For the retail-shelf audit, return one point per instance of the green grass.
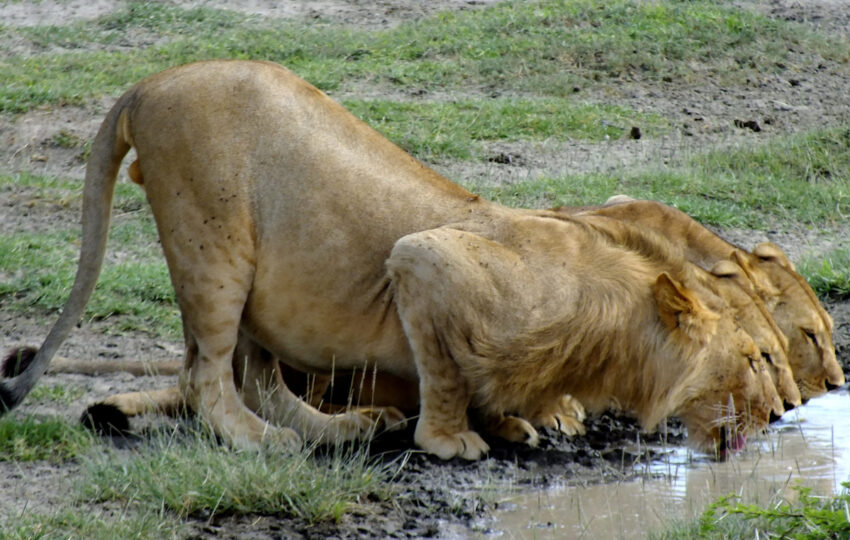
(70, 521)
(182, 474)
(194, 475)
(57, 393)
(29, 438)
(804, 178)
(545, 48)
(829, 274)
(451, 129)
(65, 139)
(808, 518)
(37, 268)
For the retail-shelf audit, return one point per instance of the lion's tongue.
(738, 443)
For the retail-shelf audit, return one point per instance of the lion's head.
(800, 316)
(725, 286)
(730, 393)
(757, 321)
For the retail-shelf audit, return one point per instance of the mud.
(431, 498)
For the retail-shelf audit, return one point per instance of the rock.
(748, 124)
(781, 106)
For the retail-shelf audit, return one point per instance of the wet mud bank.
(568, 486)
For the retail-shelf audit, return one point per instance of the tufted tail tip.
(105, 419)
(17, 361)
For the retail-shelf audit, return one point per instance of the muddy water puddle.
(809, 446)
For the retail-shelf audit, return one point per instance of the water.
(809, 446)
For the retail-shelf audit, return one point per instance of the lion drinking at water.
(277, 210)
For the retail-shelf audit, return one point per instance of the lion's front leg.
(442, 428)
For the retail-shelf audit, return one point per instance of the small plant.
(809, 518)
(829, 275)
(57, 392)
(66, 139)
(33, 439)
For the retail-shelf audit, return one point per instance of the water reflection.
(809, 446)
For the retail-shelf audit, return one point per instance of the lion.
(384, 390)
(285, 219)
(570, 312)
(769, 274)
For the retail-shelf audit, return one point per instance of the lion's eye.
(752, 364)
(811, 335)
(767, 357)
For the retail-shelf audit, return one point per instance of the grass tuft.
(829, 274)
(35, 439)
(195, 475)
(73, 522)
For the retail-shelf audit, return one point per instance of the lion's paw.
(566, 415)
(566, 424)
(465, 444)
(277, 438)
(518, 430)
(348, 426)
(384, 418)
(572, 407)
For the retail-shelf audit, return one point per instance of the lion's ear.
(768, 251)
(681, 311)
(618, 199)
(727, 269)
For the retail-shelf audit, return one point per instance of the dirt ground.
(433, 497)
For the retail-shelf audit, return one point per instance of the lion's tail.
(110, 146)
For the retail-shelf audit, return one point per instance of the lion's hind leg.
(265, 391)
(380, 397)
(167, 401)
(212, 283)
